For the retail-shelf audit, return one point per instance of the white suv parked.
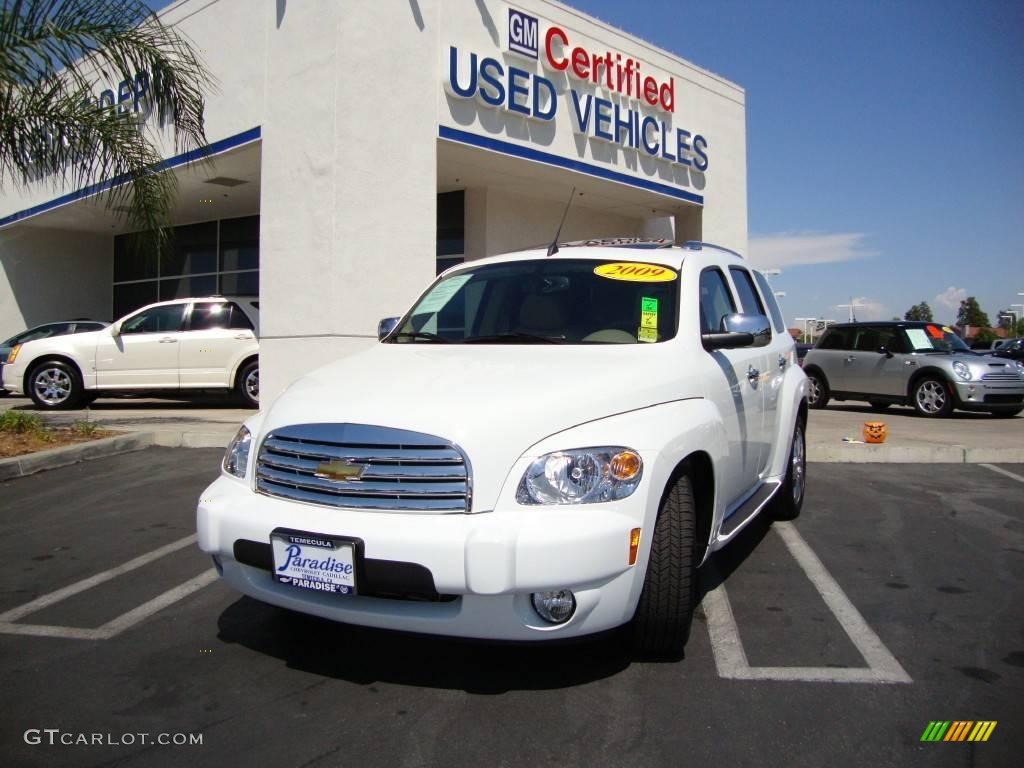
(179, 345)
(545, 446)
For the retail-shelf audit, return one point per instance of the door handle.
(850, 358)
(168, 340)
(753, 374)
(243, 336)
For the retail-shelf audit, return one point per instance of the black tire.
(817, 390)
(878, 406)
(1006, 414)
(789, 499)
(931, 397)
(249, 373)
(661, 624)
(55, 386)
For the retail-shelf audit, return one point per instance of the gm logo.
(522, 33)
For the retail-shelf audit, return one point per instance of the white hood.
(469, 394)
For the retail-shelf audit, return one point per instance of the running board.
(745, 511)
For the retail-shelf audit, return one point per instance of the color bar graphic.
(958, 730)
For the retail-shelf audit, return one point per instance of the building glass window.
(451, 229)
(209, 258)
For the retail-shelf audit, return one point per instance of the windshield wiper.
(421, 335)
(513, 337)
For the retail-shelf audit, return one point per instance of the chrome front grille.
(1007, 376)
(397, 470)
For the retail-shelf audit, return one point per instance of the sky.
(884, 143)
(884, 153)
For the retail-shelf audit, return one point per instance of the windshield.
(934, 338)
(547, 301)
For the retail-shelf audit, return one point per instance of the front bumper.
(981, 395)
(482, 567)
(10, 378)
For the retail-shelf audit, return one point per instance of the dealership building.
(356, 149)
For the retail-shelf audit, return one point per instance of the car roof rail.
(697, 245)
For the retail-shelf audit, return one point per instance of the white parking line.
(731, 659)
(80, 586)
(117, 625)
(1002, 471)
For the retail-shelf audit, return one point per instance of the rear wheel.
(248, 384)
(661, 624)
(817, 390)
(790, 497)
(54, 386)
(932, 397)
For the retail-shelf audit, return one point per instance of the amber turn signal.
(625, 465)
(634, 545)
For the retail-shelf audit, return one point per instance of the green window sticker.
(648, 330)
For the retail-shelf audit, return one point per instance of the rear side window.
(210, 315)
(773, 305)
(715, 300)
(837, 338)
(748, 294)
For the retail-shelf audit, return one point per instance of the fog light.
(218, 565)
(555, 607)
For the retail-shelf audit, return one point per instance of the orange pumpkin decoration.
(874, 431)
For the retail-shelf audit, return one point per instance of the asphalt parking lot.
(894, 601)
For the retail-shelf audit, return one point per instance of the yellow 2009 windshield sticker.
(636, 272)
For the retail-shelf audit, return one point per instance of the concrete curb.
(19, 466)
(852, 453)
(857, 453)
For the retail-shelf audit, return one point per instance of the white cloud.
(867, 309)
(951, 298)
(790, 249)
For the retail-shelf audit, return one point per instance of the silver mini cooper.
(924, 365)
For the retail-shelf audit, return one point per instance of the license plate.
(314, 562)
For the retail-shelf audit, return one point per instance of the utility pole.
(851, 306)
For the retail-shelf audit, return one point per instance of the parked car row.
(192, 344)
(924, 365)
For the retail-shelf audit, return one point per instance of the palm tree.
(55, 55)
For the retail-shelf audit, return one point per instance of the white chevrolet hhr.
(544, 446)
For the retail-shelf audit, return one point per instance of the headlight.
(13, 353)
(962, 370)
(236, 458)
(1020, 366)
(581, 476)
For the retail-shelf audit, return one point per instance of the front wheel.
(661, 624)
(932, 397)
(817, 390)
(55, 386)
(789, 499)
(248, 384)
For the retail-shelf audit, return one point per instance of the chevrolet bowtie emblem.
(339, 469)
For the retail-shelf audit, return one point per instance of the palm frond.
(53, 56)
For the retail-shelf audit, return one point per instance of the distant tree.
(920, 312)
(970, 314)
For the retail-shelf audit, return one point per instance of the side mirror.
(386, 326)
(740, 330)
(883, 350)
(115, 329)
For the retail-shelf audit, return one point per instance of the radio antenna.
(553, 248)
